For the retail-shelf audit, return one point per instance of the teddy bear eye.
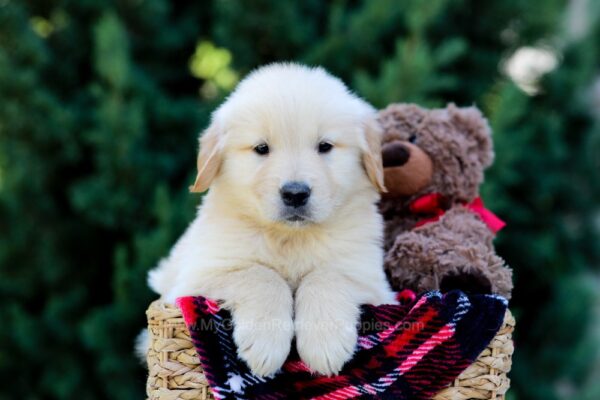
(412, 138)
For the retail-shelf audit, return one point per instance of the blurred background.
(101, 103)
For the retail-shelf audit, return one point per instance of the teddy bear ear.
(472, 122)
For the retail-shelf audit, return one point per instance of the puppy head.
(290, 146)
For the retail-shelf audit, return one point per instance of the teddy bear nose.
(395, 154)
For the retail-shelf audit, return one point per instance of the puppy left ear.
(371, 155)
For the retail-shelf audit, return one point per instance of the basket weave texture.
(174, 371)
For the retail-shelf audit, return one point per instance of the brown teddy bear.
(438, 233)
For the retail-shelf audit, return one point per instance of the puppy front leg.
(327, 314)
(261, 306)
(262, 317)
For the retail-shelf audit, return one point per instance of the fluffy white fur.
(282, 278)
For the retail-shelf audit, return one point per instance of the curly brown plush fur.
(441, 151)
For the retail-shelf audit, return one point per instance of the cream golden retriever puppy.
(288, 237)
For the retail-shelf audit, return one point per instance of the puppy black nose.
(395, 154)
(295, 194)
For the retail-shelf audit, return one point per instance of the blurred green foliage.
(101, 103)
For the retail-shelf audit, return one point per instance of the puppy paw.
(326, 347)
(263, 342)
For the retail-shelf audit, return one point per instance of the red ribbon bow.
(431, 204)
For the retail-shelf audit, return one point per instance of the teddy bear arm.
(430, 258)
(475, 269)
(467, 226)
(409, 263)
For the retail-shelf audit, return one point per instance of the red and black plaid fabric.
(408, 351)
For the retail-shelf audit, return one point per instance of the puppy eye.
(325, 147)
(412, 138)
(261, 149)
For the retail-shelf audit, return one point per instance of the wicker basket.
(174, 371)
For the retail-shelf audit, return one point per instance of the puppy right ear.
(210, 157)
(371, 156)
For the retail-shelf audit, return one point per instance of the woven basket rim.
(175, 373)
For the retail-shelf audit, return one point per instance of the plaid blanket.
(406, 351)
